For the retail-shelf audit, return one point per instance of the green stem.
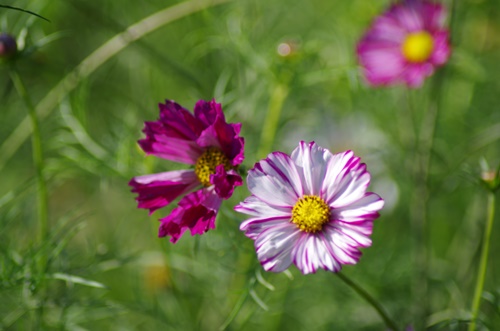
(371, 300)
(419, 205)
(36, 137)
(483, 262)
(420, 202)
(278, 96)
(236, 310)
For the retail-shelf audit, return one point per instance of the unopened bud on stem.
(8, 46)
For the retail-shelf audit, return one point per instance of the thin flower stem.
(42, 196)
(278, 96)
(371, 300)
(483, 262)
(236, 310)
(419, 202)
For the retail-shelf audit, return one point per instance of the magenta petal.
(223, 136)
(434, 15)
(207, 112)
(442, 49)
(177, 118)
(225, 182)
(177, 150)
(415, 74)
(409, 17)
(236, 127)
(381, 65)
(197, 211)
(170, 227)
(158, 190)
(208, 138)
(237, 151)
(174, 136)
(386, 29)
(201, 208)
(230, 143)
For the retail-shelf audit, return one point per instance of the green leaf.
(77, 280)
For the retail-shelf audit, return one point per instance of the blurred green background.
(106, 268)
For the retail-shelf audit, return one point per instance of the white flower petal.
(253, 227)
(335, 167)
(343, 247)
(266, 216)
(365, 208)
(256, 207)
(312, 160)
(274, 246)
(275, 180)
(312, 252)
(346, 180)
(352, 235)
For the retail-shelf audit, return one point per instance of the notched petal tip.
(197, 212)
(225, 182)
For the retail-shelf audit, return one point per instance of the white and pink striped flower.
(405, 44)
(310, 208)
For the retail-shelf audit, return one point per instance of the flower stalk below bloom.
(42, 196)
(483, 262)
(278, 96)
(371, 300)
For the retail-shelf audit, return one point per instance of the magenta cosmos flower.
(405, 44)
(310, 209)
(203, 140)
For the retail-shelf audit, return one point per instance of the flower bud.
(8, 46)
(491, 179)
(287, 49)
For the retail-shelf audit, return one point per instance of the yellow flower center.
(310, 213)
(207, 162)
(418, 46)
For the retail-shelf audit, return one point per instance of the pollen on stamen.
(310, 213)
(207, 162)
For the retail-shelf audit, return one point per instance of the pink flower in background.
(203, 140)
(405, 44)
(310, 208)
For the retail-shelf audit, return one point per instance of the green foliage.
(102, 266)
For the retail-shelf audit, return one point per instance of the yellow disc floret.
(310, 213)
(418, 46)
(207, 162)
